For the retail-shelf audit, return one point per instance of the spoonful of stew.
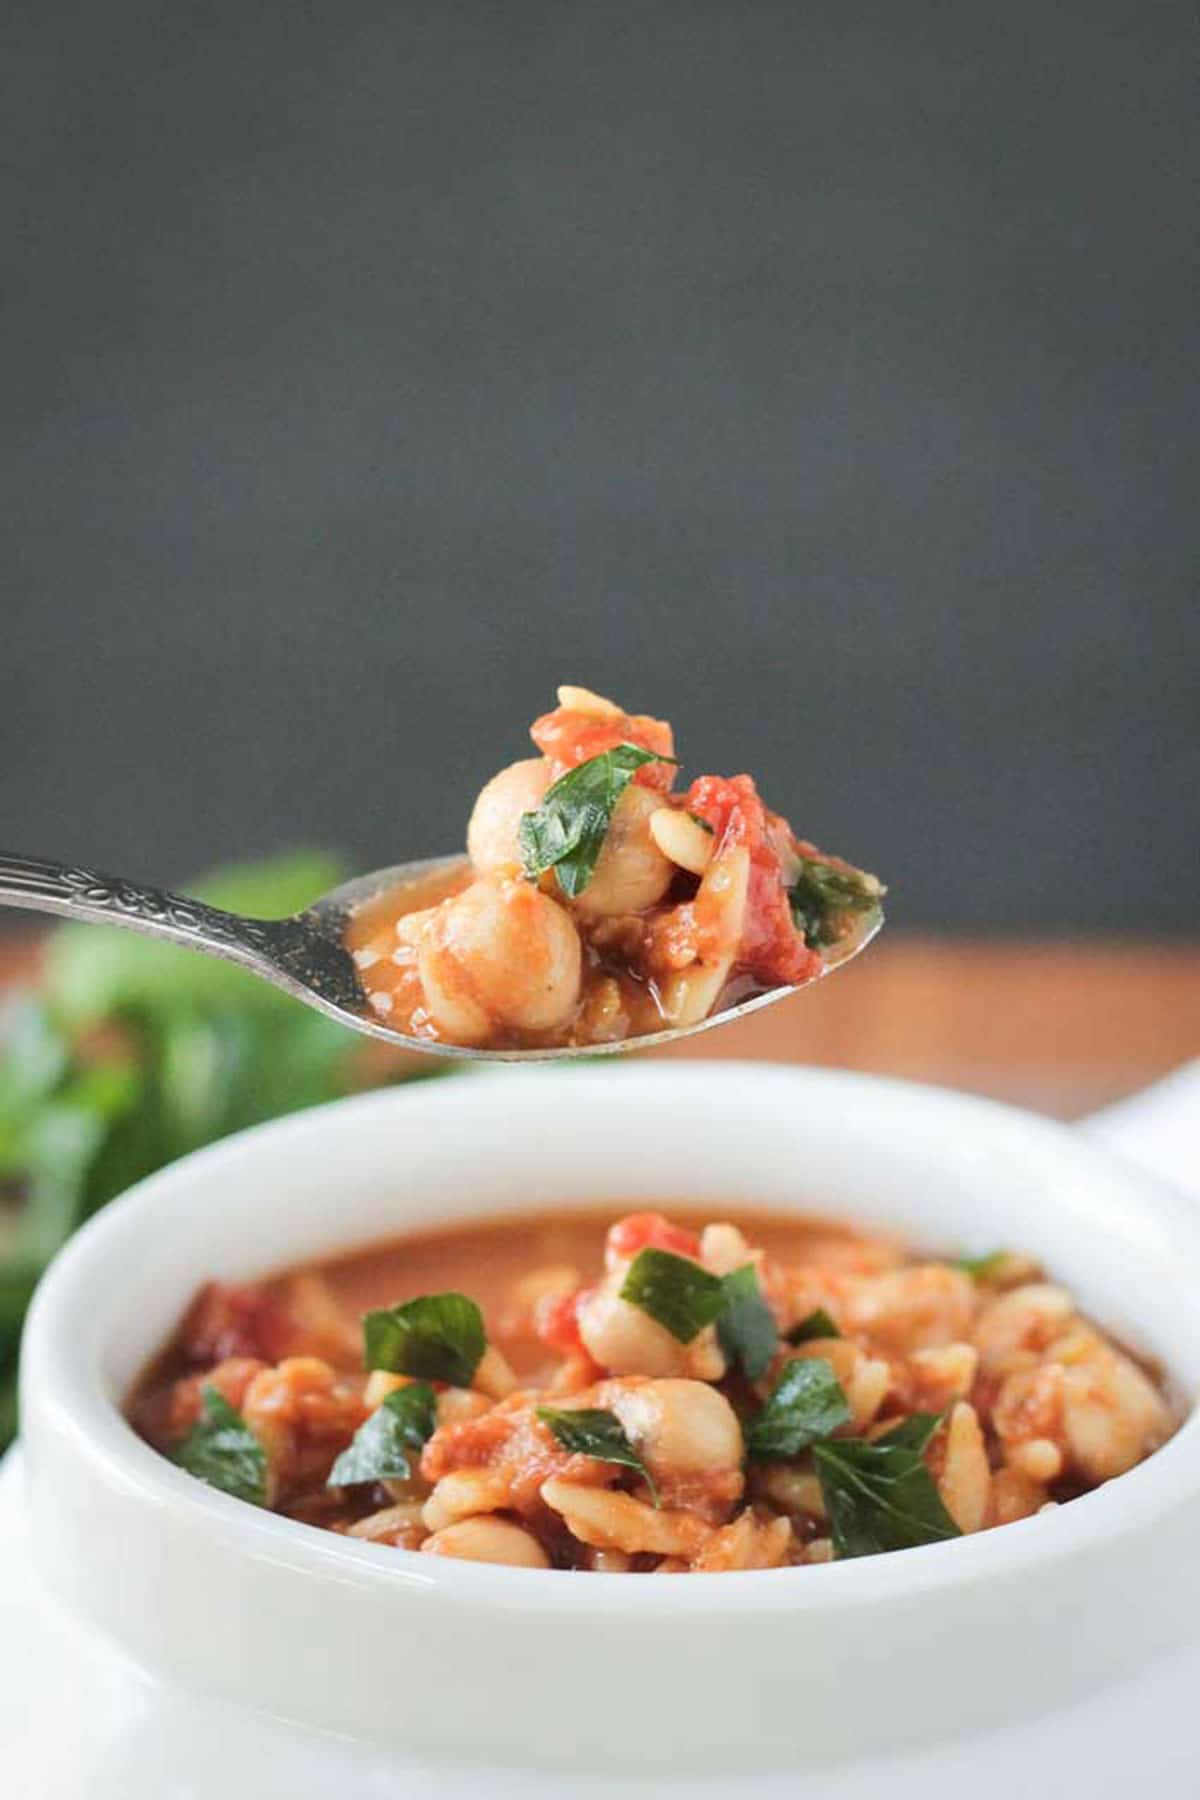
(600, 907)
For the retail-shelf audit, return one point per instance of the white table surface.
(78, 1722)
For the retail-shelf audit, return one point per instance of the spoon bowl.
(306, 954)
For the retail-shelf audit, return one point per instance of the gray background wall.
(822, 376)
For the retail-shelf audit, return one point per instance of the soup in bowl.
(876, 1337)
(663, 1396)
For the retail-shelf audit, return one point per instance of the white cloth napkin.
(1158, 1128)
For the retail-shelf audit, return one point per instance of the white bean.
(454, 1405)
(1038, 1458)
(394, 1524)
(677, 1427)
(610, 1562)
(614, 1521)
(494, 1376)
(463, 1492)
(582, 700)
(790, 1489)
(690, 994)
(488, 1540)
(681, 839)
(626, 1341)
(379, 1385)
(724, 1249)
(864, 1379)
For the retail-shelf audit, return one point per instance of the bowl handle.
(1158, 1128)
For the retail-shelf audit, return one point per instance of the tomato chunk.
(772, 950)
(569, 738)
(648, 1231)
(236, 1320)
(557, 1322)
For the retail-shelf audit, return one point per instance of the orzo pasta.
(665, 1396)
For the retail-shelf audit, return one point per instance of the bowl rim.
(67, 1390)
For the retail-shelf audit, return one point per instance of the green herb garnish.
(566, 833)
(379, 1449)
(880, 1496)
(746, 1328)
(806, 1404)
(221, 1450)
(983, 1268)
(678, 1294)
(702, 823)
(914, 1433)
(823, 897)
(817, 1324)
(438, 1337)
(131, 1053)
(591, 1431)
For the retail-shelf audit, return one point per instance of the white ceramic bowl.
(594, 1671)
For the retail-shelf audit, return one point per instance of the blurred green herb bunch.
(129, 1053)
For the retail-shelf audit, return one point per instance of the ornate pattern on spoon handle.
(303, 955)
(108, 899)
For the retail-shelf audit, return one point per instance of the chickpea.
(492, 832)
(499, 954)
(488, 1540)
(631, 871)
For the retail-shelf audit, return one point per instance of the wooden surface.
(1064, 1028)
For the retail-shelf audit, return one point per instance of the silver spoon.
(306, 955)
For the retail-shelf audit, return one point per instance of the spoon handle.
(85, 894)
